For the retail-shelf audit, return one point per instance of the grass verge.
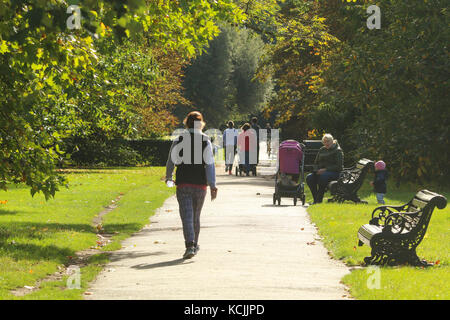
(338, 225)
(38, 237)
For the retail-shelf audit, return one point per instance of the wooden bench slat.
(418, 203)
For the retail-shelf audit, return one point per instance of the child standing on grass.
(379, 183)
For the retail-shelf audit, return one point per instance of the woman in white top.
(230, 142)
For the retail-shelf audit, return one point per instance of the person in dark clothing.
(269, 139)
(192, 154)
(256, 127)
(329, 163)
(379, 183)
(245, 143)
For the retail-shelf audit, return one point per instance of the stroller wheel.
(274, 198)
(295, 201)
(303, 200)
(279, 200)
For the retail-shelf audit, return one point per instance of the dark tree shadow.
(20, 251)
(16, 237)
(8, 212)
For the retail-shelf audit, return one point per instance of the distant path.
(250, 249)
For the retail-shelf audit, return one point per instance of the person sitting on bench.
(328, 164)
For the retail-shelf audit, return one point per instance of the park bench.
(310, 150)
(349, 182)
(394, 232)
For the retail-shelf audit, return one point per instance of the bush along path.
(52, 250)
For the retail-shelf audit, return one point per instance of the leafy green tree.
(391, 84)
(221, 83)
(54, 81)
(207, 80)
(295, 62)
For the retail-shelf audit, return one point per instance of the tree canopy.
(56, 80)
(104, 69)
(222, 82)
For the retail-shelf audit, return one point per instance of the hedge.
(116, 152)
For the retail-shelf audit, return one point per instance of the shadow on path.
(161, 264)
(117, 256)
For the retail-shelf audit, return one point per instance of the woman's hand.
(213, 193)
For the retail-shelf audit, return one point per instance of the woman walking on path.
(230, 144)
(329, 163)
(247, 142)
(256, 127)
(192, 154)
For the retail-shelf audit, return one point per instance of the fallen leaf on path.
(88, 293)
(302, 229)
(311, 243)
(168, 210)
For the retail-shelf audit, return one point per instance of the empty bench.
(349, 182)
(394, 232)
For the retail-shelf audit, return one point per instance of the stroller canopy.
(290, 156)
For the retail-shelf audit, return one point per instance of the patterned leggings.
(190, 201)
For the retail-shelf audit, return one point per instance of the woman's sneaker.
(189, 253)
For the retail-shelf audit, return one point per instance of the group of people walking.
(193, 175)
(242, 143)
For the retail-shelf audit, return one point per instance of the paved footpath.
(249, 250)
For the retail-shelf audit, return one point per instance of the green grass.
(38, 236)
(339, 223)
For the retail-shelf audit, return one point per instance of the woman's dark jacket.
(331, 159)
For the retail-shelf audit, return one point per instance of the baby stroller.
(290, 168)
